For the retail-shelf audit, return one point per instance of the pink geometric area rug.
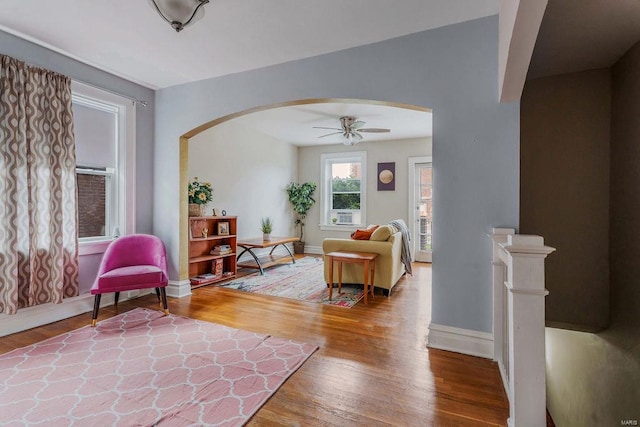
(144, 368)
(303, 281)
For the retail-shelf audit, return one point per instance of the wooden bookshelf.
(201, 260)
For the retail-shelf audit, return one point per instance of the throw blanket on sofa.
(405, 256)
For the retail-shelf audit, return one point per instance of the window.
(104, 129)
(343, 189)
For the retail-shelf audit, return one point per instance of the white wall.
(249, 171)
(382, 206)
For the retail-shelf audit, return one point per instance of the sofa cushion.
(363, 234)
(129, 278)
(382, 233)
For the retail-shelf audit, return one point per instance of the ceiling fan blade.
(357, 124)
(374, 130)
(332, 133)
(356, 136)
(322, 127)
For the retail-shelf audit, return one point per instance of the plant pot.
(298, 247)
(266, 237)
(196, 209)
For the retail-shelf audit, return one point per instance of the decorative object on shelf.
(197, 228)
(223, 229)
(179, 14)
(224, 213)
(200, 193)
(215, 212)
(205, 232)
(196, 209)
(216, 267)
(301, 198)
(387, 176)
(266, 224)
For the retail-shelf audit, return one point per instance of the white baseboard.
(178, 288)
(465, 341)
(503, 375)
(316, 250)
(32, 317)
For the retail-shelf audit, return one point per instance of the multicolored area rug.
(144, 368)
(303, 281)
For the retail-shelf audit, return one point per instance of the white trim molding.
(178, 288)
(316, 250)
(465, 341)
(32, 317)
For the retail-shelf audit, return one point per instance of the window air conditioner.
(345, 218)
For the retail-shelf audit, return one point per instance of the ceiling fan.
(351, 130)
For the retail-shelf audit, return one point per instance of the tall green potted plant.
(301, 198)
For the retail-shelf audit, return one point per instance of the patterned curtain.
(38, 202)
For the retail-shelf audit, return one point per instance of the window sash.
(120, 191)
(330, 209)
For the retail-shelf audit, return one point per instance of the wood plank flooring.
(372, 368)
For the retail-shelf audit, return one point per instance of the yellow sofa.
(389, 267)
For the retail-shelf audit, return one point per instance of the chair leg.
(117, 298)
(163, 294)
(158, 294)
(96, 306)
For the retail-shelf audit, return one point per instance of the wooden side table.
(367, 259)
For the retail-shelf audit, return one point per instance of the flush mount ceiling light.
(179, 13)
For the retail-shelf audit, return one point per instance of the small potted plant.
(200, 193)
(301, 198)
(267, 227)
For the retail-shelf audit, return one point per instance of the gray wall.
(592, 378)
(475, 143)
(42, 57)
(564, 191)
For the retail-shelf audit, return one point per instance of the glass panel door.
(423, 229)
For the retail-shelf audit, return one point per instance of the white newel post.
(525, 293)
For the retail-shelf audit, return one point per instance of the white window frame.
(120, 197)
(326, 160)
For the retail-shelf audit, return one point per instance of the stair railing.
(519, 321)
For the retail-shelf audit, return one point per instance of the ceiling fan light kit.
(350, 130)
(179, 13)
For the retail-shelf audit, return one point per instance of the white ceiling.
(294, 124)
(129, 39)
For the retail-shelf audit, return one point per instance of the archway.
(184, 156)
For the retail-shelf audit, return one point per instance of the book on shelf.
(221, 250)
(203, 278)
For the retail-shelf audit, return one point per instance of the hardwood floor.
(372, 367)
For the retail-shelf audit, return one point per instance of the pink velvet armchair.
(137, 261)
